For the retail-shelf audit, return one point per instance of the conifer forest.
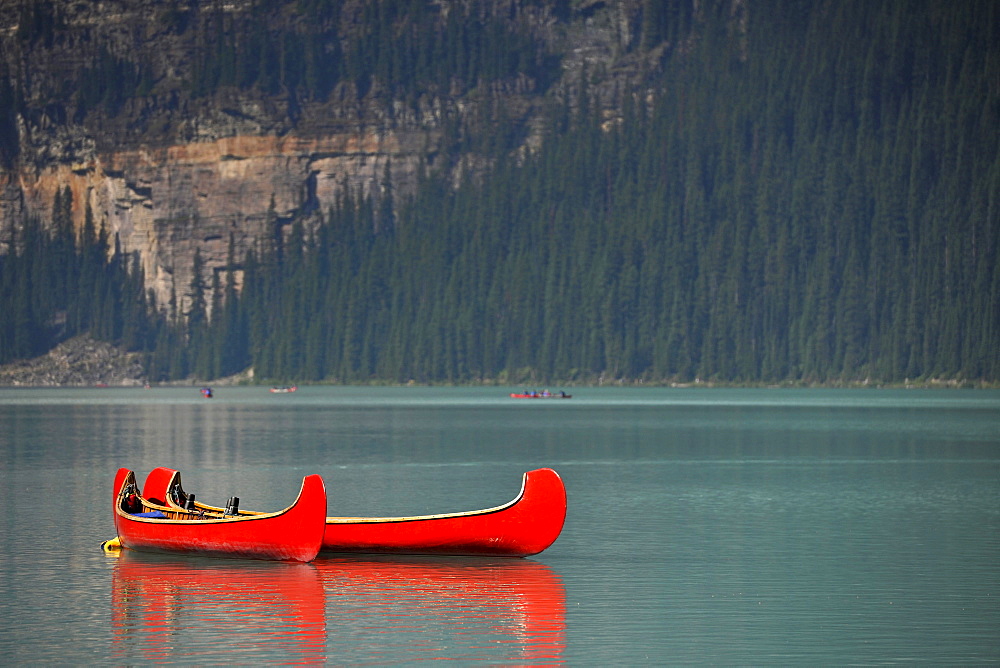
(812, 200)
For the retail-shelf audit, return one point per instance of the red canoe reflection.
(159, 602)
(520, 604)
(377, 610)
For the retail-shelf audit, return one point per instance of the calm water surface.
(704, 527)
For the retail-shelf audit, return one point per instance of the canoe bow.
(292, 534)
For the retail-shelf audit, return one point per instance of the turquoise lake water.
(762, 527)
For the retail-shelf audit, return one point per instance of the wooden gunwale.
(178, 514)
(216, 511)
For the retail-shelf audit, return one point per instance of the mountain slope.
(769, 191)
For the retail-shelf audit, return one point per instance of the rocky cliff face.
(167, 201)
(171, 172)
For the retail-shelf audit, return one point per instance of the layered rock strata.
(166, 202)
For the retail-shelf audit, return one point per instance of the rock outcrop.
(82, 362)
(166, 202)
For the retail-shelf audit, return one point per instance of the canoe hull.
(527, 525)
(293, 534)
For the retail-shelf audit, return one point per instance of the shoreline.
(83, 362)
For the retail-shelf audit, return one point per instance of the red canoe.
(528, 524)
(147, 523)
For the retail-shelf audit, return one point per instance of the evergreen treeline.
(813, 195)
(303, 49)
(55, 284)
(820, 207)
(405, 47)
